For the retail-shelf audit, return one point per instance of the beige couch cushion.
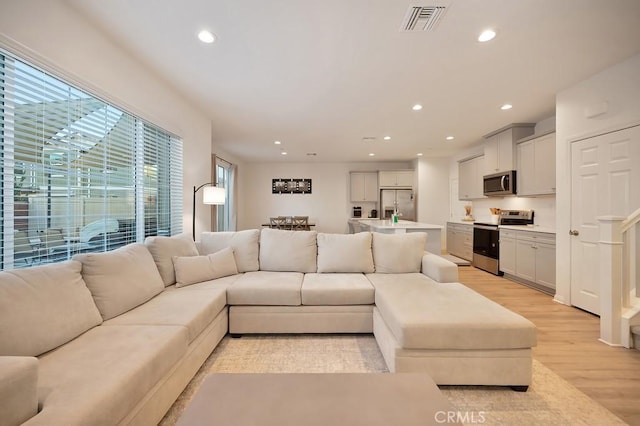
(423, 314)
(98, 378)
(345, 252)
(266, 288)
(164, 249)
(288, 251)
(398, 253)
(18, 389)
(122, 279)
(245, 245)
(192, 309)
(43, 307)
(195, 269)
(336, 289)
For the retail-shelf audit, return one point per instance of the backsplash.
(544, 208)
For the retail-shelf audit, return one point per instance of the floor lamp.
(211, 195)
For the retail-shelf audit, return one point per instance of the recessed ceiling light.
(417, 107)
(277, 142)
(486, 35)
(371, 154)
(387, 138)
(206, 36)
(284, 153)
(506, 107)
(419, 154)
(450, 138)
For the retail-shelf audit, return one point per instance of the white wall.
(618, 90)
(433, 192)
(328, 206)
(56, 38)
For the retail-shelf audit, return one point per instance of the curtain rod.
(218, 157)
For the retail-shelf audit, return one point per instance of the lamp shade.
(213, 195)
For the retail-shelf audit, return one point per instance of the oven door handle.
(488, 228)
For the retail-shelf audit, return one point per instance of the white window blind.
(79, 174)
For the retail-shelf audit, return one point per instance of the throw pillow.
(244, 244)
(288, 251)
(121, 279)
(163, 249)
(196, 269)
(398, 253)
(43, 307)
(345, 253)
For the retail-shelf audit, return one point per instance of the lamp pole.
(195, 190)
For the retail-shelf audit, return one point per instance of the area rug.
(550, 400)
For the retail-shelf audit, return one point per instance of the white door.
(605, 171)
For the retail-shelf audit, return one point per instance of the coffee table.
(317, 399)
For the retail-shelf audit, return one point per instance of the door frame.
(564, 201)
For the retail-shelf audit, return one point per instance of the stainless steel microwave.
(500, 184)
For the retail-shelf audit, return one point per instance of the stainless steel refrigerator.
(400, 199)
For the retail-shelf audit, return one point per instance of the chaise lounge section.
(114, 338)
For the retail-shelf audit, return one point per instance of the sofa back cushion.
(164, 249)
(345, 252)
(196, 269)
(121, 279)
(43, 307)
(288, 251)
(245, 245)
(398, 253)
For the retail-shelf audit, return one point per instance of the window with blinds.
(78, 174)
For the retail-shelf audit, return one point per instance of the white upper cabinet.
(498, 147)
(396, 179)
(364, 186)
(470, 183)
(536, 165)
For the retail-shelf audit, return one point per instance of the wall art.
(291, 186)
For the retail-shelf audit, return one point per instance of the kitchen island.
(434, 238)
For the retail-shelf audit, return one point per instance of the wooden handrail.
(633, 219)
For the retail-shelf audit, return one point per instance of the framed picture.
(291, 186)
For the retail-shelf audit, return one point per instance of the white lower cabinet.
(525, 260)
(460, 240)
(529, 257)
(546, 264)
(507, 252)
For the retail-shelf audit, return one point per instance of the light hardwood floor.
(568, 344)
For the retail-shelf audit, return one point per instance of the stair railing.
(620, 278)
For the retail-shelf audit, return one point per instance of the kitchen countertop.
(460, 222)
(532, 228)
(402, 224)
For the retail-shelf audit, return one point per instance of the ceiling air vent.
(422, 18)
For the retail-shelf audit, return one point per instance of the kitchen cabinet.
(364, 186)
(470, 183)
(395, 179)
(536, 165)
(507, 254)
(499, 147)
(529, 257)
(460, 240)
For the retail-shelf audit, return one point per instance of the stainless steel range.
(486, 244)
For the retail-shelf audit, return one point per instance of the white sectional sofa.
(114, 338)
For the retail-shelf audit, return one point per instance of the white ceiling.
(320, 76)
